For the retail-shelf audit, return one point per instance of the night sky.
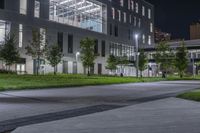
(175, 16)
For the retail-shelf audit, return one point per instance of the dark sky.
(175, 16)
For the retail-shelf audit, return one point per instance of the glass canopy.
(87, 14)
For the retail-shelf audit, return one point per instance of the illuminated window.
(37, 9)
(124, 17)
(129, 4)
(119, 15)
(143, 39)
(149, 13)
(132, 5)
(113, 13)
(121, 2)
(20, 35)
(136, 8)
(143, 11)
(149, 40)
(151, 27)
(4, 30)
(139, 22)
(23, 7)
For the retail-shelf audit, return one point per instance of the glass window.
(2, 4)
(149, 13)
(129, 4)
(86, 14)
(119, 15)
(124, 17)
(60, 40)
(37, 9)
(151, 27)
(132, 5)
(129, 34)
(116, 30)
(4, 30)
(135, 21)
(70, 44)
(113, 13)
(121, 2)
(149, 40)
(139, 22)
(23, 7)
(136, 7)
(143, 11)
(111, 29)
(96, 47)
(103, 48)
(20, 35)
(143, 39)
(75, 68)
(120, 50)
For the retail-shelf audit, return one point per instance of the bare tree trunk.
(88, 74)
(8, 67)
(37, 67)
(54, 70)
(141, 74)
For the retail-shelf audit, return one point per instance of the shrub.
(2, 71)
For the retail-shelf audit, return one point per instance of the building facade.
(195, 31)
(112, 23)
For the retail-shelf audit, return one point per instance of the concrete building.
(113, 23)
(195, 31)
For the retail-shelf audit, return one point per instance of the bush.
(2, 71)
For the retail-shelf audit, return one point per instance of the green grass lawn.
(17, 82)
(193, 95)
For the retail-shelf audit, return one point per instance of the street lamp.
(137, 55)
(77, 54)
(193, 64)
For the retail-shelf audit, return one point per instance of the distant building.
(161, 36)
(193, 47)
(195, 31)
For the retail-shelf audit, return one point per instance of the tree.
(37, 47)
(142, 61)
(9, 53)
(111, 63)
(87, 53)
(164, 57)
(181, 60)
(54, 56)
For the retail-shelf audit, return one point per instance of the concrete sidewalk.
(169, 115)
(18, 104)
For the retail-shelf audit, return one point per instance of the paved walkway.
(162, 116)
(56, 104)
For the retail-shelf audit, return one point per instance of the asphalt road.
(20, 108)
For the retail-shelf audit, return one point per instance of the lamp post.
(77, 54)
(137, 55)
(193, 65)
